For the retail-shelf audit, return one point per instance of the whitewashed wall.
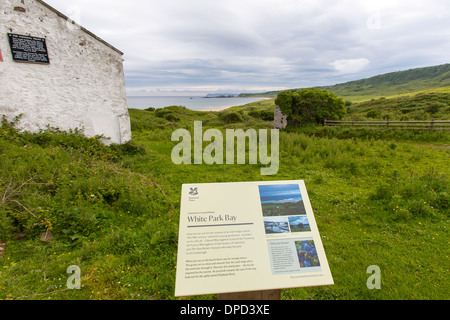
(82, 87)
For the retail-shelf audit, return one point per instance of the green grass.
(380, 198)
(421, 106)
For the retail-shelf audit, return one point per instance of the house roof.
(82, 28)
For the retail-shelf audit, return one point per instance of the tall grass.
(379, 199)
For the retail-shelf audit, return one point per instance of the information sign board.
(251, 236)
(28, 49)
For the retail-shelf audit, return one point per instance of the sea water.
(191, 102)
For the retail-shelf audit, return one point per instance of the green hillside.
(421, 106)
(394, 83)
(389, 84)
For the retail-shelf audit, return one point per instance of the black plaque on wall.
(28, 49)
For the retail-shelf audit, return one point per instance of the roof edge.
(81, 27)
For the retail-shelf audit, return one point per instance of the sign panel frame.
(28, 49)
(248, 236)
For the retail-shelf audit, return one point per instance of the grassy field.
(380, 198)
(420, 106)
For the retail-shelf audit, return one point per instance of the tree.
(310, 105)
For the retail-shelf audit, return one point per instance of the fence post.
(432, 124)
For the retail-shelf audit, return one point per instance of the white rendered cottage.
(54, 72)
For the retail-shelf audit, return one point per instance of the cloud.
(266, 43)
(350, 65)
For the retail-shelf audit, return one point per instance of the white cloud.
(265, 43)
(350, 65)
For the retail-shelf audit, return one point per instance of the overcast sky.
(194, 47)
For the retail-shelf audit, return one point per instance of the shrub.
(62, 182)
(167, 114)
(433, 108)
(265, 115)
(373, 114)
(310, 106)
(161, 113)
(171, 117)
(231, 117)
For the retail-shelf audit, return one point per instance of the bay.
(195, 103)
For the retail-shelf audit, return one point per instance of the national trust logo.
(194, 192)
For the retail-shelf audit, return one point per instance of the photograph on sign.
(250, 236)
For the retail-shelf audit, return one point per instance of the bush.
(310, 106)
(373, 114)
(62, 182)
(167, 114)
(265, 115)
(231, 117)
(433, 108)
(171, 117)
